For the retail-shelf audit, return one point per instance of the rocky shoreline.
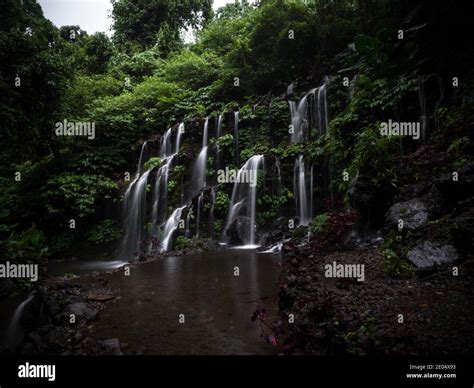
(344, 316)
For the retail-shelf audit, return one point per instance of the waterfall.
(219, 126)
(205, 133)
(140, 160)
(299, 120)
(178, 136)
(198, 217)
(289, 89)
(200, 167)
(160, 192)
(218, 135)
(15, 330)
(187, 230)
(302, 114)
(245, 193)
(134, 207)
(211, 212)
(165, 148)
(139, 168)
(236, 139)
(321, 108)
(170, 226)
(199, 174)
(301, 197)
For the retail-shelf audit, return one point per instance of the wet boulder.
(83, 310)
(428, 253)
(413, 213)
(239, 231)
(272, 240)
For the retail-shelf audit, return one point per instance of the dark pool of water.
(217, 305)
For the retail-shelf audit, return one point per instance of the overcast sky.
(91, 15)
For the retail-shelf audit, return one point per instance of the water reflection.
(216, 304)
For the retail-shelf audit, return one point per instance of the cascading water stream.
(200, 167)
(170, 226)
(211, 212)
(302, 198)
(15, 331)
(134, 206)
(199, 209)
(299, 119)
(178, 137)
(140, 159)
(187, 230)
(160, 192)
(302, 114)
(245, 193)
(321, 108)
(218, 135)
(289, 89)
(165, 147)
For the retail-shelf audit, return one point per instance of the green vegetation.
(319, 223)
(395, 251)
(182, 243)
(106, 231)
(147, 79)
(152, 163)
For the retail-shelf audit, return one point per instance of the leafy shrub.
(153, 162)
(61, 242)
(319, 223)
(395, 251)
(28, 247)
(106, 231)
(222, 202)
(333, 231)
(182, 243)
(75, 195)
